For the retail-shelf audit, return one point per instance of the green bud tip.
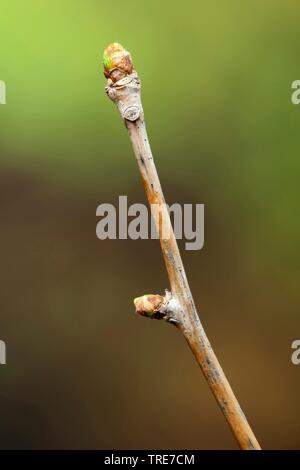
(117, 62)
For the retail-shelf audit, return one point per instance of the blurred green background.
(82, 370)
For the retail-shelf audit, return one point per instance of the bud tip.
(148, 305)
(117, 62)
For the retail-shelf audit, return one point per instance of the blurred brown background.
(82, 370)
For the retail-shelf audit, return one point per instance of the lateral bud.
(150, 305)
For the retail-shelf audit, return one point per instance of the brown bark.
(178, 306)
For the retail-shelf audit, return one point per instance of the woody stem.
(126, 94)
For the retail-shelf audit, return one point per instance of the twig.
(177, 306)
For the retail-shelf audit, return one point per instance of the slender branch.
(177, 306)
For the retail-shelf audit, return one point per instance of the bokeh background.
(82, 370)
